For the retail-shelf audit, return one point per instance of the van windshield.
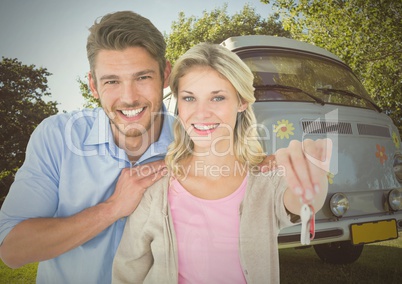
(287, 76)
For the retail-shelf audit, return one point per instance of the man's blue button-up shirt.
(73, 163)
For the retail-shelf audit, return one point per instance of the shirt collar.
(101, 133)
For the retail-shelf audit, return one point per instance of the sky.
(52, 33)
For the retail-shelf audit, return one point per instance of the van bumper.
(334, 230)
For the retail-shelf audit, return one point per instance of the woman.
(213, 219)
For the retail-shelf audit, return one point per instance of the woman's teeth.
(205, 127)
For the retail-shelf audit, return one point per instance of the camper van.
(305, 92)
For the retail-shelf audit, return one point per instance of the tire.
(339, 252)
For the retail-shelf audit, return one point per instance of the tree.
(365, 34)
(90, 100)
(22, 108)
(216, 26)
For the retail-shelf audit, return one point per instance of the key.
(307, 224)
(305, 215)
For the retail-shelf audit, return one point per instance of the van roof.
(241, 42)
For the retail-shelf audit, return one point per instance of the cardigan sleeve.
(285, 218)
(133, 258)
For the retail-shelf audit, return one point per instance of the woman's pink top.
(207, 234)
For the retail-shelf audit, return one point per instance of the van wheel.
(338, 252)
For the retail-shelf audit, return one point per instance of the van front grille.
(322, 127)
(373, 130)
(335, 127)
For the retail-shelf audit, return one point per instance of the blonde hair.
(247, 148)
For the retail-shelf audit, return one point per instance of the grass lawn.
(379, 263)
(23, 275)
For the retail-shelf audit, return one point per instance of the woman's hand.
(306, 165)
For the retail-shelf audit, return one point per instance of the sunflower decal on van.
(284, 129)
(395, 138)
(330, 177)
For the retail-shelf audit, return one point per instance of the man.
(81, 175)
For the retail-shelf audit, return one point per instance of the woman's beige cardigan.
(148, 253)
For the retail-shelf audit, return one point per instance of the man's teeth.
(131, 113)
(205, 127)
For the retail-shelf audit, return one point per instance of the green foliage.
(365, 34)
(22, 108)
(216, 26)
(90, 100)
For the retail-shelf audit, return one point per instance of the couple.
(67, 209)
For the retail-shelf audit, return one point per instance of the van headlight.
(339, 204)
(395, 199)
(398, 167)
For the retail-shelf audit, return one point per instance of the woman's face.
(208, 106)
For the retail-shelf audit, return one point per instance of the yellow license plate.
(365, 233)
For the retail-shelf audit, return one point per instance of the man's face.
(130, 88)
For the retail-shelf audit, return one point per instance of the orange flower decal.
(380, 154)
